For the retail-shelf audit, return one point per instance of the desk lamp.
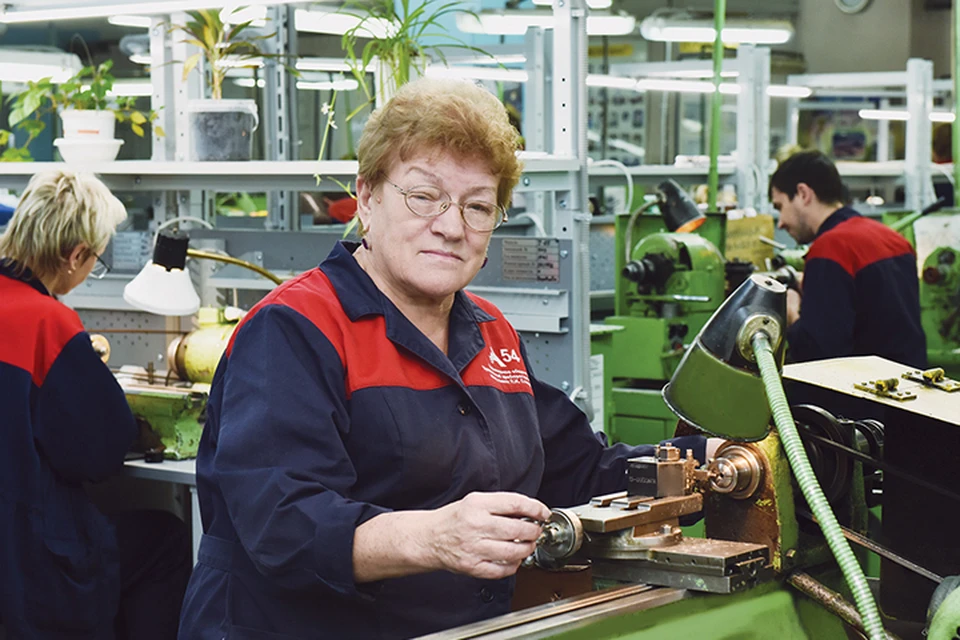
(679, 212)
(163, 286)
(728, 384)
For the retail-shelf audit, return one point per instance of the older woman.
(65, 569)
(378, 452)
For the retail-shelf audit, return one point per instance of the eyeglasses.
(100, 269)
(427, 201)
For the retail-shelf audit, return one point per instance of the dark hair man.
(859, 288)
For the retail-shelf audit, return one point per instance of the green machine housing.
(664, 294)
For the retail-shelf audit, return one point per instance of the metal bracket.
(935, 378)
(885, 388)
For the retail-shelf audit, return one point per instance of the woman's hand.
(486, 535)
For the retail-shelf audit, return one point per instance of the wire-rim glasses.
(100, 269)
(428, 201)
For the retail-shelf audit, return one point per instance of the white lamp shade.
(166, 293)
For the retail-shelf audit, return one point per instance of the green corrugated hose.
(797, 456)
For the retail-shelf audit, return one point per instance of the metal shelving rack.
(915, 172)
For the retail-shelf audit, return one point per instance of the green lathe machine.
(785, 494)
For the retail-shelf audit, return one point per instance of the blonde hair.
(58, 211)
(436, 115)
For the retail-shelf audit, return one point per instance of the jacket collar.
(360, 297)
(16, 271)
(840, 215)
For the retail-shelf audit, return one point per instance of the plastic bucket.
(222, 129)
(79, 123)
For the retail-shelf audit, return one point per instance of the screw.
(545, 302)
(565, 385)
(526, 182)
(564, 253)
(563, 204)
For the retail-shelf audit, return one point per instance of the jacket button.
(463, 408)
(486, 595)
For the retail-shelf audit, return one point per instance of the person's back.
(61, 426)
(859, 266)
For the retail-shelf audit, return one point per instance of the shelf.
(541, 173)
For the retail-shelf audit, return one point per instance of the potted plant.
(221, 129)
(411, 33)
(87, 112)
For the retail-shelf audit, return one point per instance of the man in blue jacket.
(860, 291)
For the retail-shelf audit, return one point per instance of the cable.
(629, 233)
(535, 219)
(626, 172)
(800, 464)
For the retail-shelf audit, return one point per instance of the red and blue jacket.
(860, 294)
(64, 420)
(328, 408)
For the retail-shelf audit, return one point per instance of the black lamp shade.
(170, 252)
(679, 211)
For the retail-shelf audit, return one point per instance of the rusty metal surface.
(758, 519)
(830, 600)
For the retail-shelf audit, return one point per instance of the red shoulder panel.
(35, 328)
(857, 243)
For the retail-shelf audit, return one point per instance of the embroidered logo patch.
(505, 366)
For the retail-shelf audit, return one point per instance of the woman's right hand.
(485, 535)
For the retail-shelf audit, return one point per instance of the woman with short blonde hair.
(61, 226)
(65, 568)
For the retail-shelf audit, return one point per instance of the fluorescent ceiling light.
(667, 29)
(21, 65)
(339, 84)
(692, 73)
(788, 91)
(255, 14)
(902, 115)
(11, 14)
(499, 59)
(337, 23)
(688, 86)
(140, 58)
(611, 82)
(478, 73)
(593, 4)
(124, 20)
(516, 23)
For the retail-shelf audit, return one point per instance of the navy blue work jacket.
(64, 420)
(860, 294)
(329, 408)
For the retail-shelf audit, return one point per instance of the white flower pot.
(88, 123)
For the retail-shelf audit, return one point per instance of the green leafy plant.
(414, 33)
(88, 89)
(222, 46)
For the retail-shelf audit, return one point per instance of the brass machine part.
(736, 471)
(935, 377)
(886, 388)
(561, 538)
(757, 519)
(757, 322)
(101, 346)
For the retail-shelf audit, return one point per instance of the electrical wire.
(626, 172)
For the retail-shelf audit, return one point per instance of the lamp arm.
(196, 253)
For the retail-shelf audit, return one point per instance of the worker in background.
(860, 286)
(379, 455)
(66, 571)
